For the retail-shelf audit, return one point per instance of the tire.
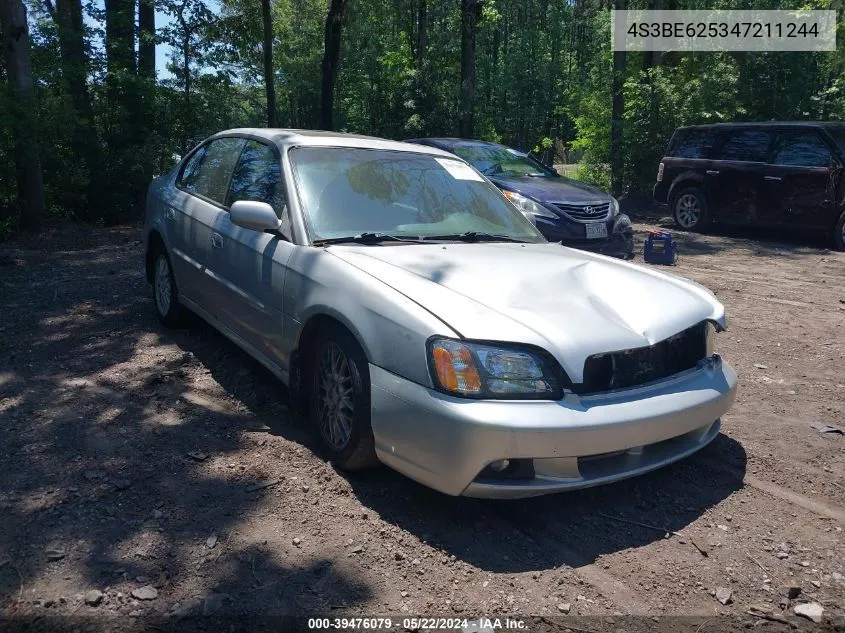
(339, 399)
(690, 210)
(169, 311)
(839, 234)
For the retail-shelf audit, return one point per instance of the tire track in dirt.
(625, 598)
(779, 492)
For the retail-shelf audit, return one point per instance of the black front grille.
(585, 211)
(632, 367)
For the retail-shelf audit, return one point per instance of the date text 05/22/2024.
(467, 625)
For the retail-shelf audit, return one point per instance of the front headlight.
(527, 206)
(614, 207)
(710, 338)
(480, 370)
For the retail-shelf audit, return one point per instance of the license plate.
(596, 230)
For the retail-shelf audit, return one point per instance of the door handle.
(772, 178)
(712, 172)
(169, 214)
(217, 240)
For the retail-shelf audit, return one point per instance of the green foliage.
(543, 83)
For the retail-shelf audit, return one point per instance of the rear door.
(249, 266)
(734, 181)
(799, 186)
(199, 199)
(177, 225)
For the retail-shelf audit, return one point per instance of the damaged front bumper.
(447, 443)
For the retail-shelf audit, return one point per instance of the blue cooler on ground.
(659, 248)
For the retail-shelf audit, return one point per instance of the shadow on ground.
(98, 488)
(97, 479)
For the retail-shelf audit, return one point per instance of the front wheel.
(839, 234)
(340, 400)
(689, 208)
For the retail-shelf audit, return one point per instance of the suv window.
(210, 177)
(801, 148)
(258, 177)
(693, 144)
(747, 145)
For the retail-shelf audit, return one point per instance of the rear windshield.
(692, 143)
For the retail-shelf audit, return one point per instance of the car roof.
(287, 138)
(450, 143)
(762, 124)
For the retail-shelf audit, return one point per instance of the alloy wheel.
(162, 285)
(688, 210)
(335, 391)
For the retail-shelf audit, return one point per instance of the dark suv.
(779, 174)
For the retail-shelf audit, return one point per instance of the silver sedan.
(426, 323)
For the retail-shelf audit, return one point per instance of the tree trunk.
(74, 62)
(331, 58)
(422, 34)
(125, 110)
(269, 82)
(186, 88)
(617, 115)
(120, 36)
(470, 12)
(146, 41)
(81, 200)
(15, 40)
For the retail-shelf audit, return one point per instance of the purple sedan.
(564, 210)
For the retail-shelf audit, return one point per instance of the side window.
(693, 144)
(747, 145)
(801, 149)
(188, 178)
(211, 177)
(258, 176)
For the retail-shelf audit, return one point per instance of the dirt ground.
(148, 476)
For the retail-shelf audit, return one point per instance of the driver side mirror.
(254, 215)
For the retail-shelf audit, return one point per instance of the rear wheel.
(689, 208)
(340, 400)
(165, 296)
(839, 234)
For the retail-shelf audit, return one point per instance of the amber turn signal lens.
(455, 368)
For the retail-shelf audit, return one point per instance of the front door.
(249, 265)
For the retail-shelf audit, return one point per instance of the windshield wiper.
(476, 236)
(364, 238)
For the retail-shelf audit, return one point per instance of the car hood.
(551, 189)
(569, 302)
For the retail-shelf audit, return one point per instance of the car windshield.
(353, 192)
(501, 161)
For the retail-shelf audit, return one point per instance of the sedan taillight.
(660, 173)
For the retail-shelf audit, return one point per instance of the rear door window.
(801, 148)
(210, 178)
(747, 145)
(693, 144)
(188, 177)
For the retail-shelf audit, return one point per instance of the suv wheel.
(340, 400)
(170, 312)
(689, 208)
(839, 234)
